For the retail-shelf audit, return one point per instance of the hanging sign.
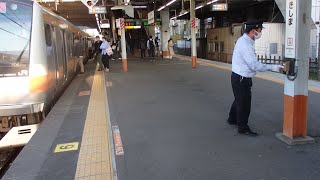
(151, 17)
(98, 10)
(220, 7)
(291, 24)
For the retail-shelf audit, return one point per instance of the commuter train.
(37, 62)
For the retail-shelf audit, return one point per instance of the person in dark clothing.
(151, 47)
(98, 51)
(143, 48)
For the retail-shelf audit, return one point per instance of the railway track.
(6, 158)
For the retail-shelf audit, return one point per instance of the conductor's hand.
(277, 68)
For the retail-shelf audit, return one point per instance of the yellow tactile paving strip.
(311, 88)
(94, 162)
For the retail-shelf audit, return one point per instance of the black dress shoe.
(247, 132)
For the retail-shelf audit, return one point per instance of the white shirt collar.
(248, 38)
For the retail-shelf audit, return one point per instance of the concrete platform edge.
(114, 167)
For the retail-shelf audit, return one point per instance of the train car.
(221, 42)
(37, 62)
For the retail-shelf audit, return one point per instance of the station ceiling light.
(210, 2)
(168, 4)
(186, 12)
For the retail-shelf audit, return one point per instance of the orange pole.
(194, 61)
(124, 65)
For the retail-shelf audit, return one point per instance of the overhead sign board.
(220, 7)
(291, 24)
(89, 3)
(105, 25)
(117, 23)
(151, 17)
(98, 10)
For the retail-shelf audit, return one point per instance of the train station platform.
(165, 120)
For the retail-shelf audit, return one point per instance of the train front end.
(21, 100)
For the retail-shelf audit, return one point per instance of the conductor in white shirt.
(245, 66)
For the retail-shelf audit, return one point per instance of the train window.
(221, 46)
(273, 48)
(47, 31)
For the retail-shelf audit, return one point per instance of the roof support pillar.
(298, 26)
(165, 32)
(193, 34)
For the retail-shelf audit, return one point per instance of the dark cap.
(253, 24)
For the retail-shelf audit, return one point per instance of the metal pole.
(318, 59)
(193, 34)
(123, 48)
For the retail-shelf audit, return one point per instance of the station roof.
(77, 13)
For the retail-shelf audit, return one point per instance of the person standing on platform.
(245, 66)
(151, 47)
(118, 47)
(156, 41)
(170, 48)
(106, 54)
(143, 48)
(98, 51)
(78, 53)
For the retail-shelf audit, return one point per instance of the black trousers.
(151, 53)
(105, 61)
(143, 53)
(241, 106)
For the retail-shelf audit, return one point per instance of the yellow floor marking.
(66, 147)
(276, 80)
(94, 160)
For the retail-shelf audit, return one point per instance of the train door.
(52, 66)
(70, 62)
(64, 54)
(60, 58)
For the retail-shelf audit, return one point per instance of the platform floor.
(173, 124)
(172, 121)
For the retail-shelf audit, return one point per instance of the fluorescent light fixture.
(161, 8)
(96, 15)
(169, 3)
(199, 7)
(139, 7)
(173, 18)
(183, 14)
(211, 2)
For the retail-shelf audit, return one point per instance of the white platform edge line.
(114, 166)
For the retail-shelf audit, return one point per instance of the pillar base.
(124, 65)
(194, 61)
(295, 141)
